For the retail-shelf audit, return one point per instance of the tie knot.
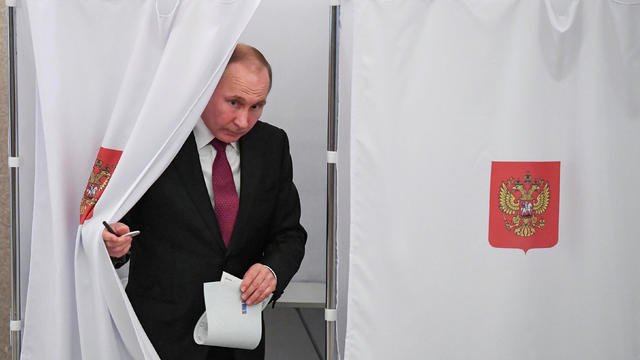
(219, 145)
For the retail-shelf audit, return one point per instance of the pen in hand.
(110, 229)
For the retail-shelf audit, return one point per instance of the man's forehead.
(247, 68)
(248, 80)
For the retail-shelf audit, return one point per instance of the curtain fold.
(121, 85)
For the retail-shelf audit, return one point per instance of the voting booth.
(107, 44)
(466, 168)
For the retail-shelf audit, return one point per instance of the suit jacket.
(180, 247)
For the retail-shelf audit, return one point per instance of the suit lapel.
(249, 178)
(187, 162)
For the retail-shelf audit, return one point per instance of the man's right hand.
(117, 246)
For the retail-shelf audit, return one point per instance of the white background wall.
(294, 36)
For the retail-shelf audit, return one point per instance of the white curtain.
(122, 82)
(441, 89)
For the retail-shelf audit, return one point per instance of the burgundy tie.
(224, 191)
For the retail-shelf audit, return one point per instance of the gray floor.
(286, 336)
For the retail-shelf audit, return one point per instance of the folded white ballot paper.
(227, 320)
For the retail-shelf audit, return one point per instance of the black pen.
(110, 229)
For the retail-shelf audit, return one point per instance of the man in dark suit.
(226, 202)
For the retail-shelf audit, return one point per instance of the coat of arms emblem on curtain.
(99, 177)
(524, 204)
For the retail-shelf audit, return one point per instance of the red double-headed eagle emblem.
(524, 204)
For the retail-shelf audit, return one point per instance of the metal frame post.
(15, 324)
(332, 140)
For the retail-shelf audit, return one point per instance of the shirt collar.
(204, 136)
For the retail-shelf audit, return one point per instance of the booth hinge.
(14, 162)
(330, 314)
(332, 157)
(15, 325)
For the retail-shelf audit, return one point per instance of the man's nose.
(242, 119)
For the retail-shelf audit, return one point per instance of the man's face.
(237, 102)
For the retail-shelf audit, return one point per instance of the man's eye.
(255, 107)
(233, 102)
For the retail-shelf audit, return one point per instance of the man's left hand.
(258, 282)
